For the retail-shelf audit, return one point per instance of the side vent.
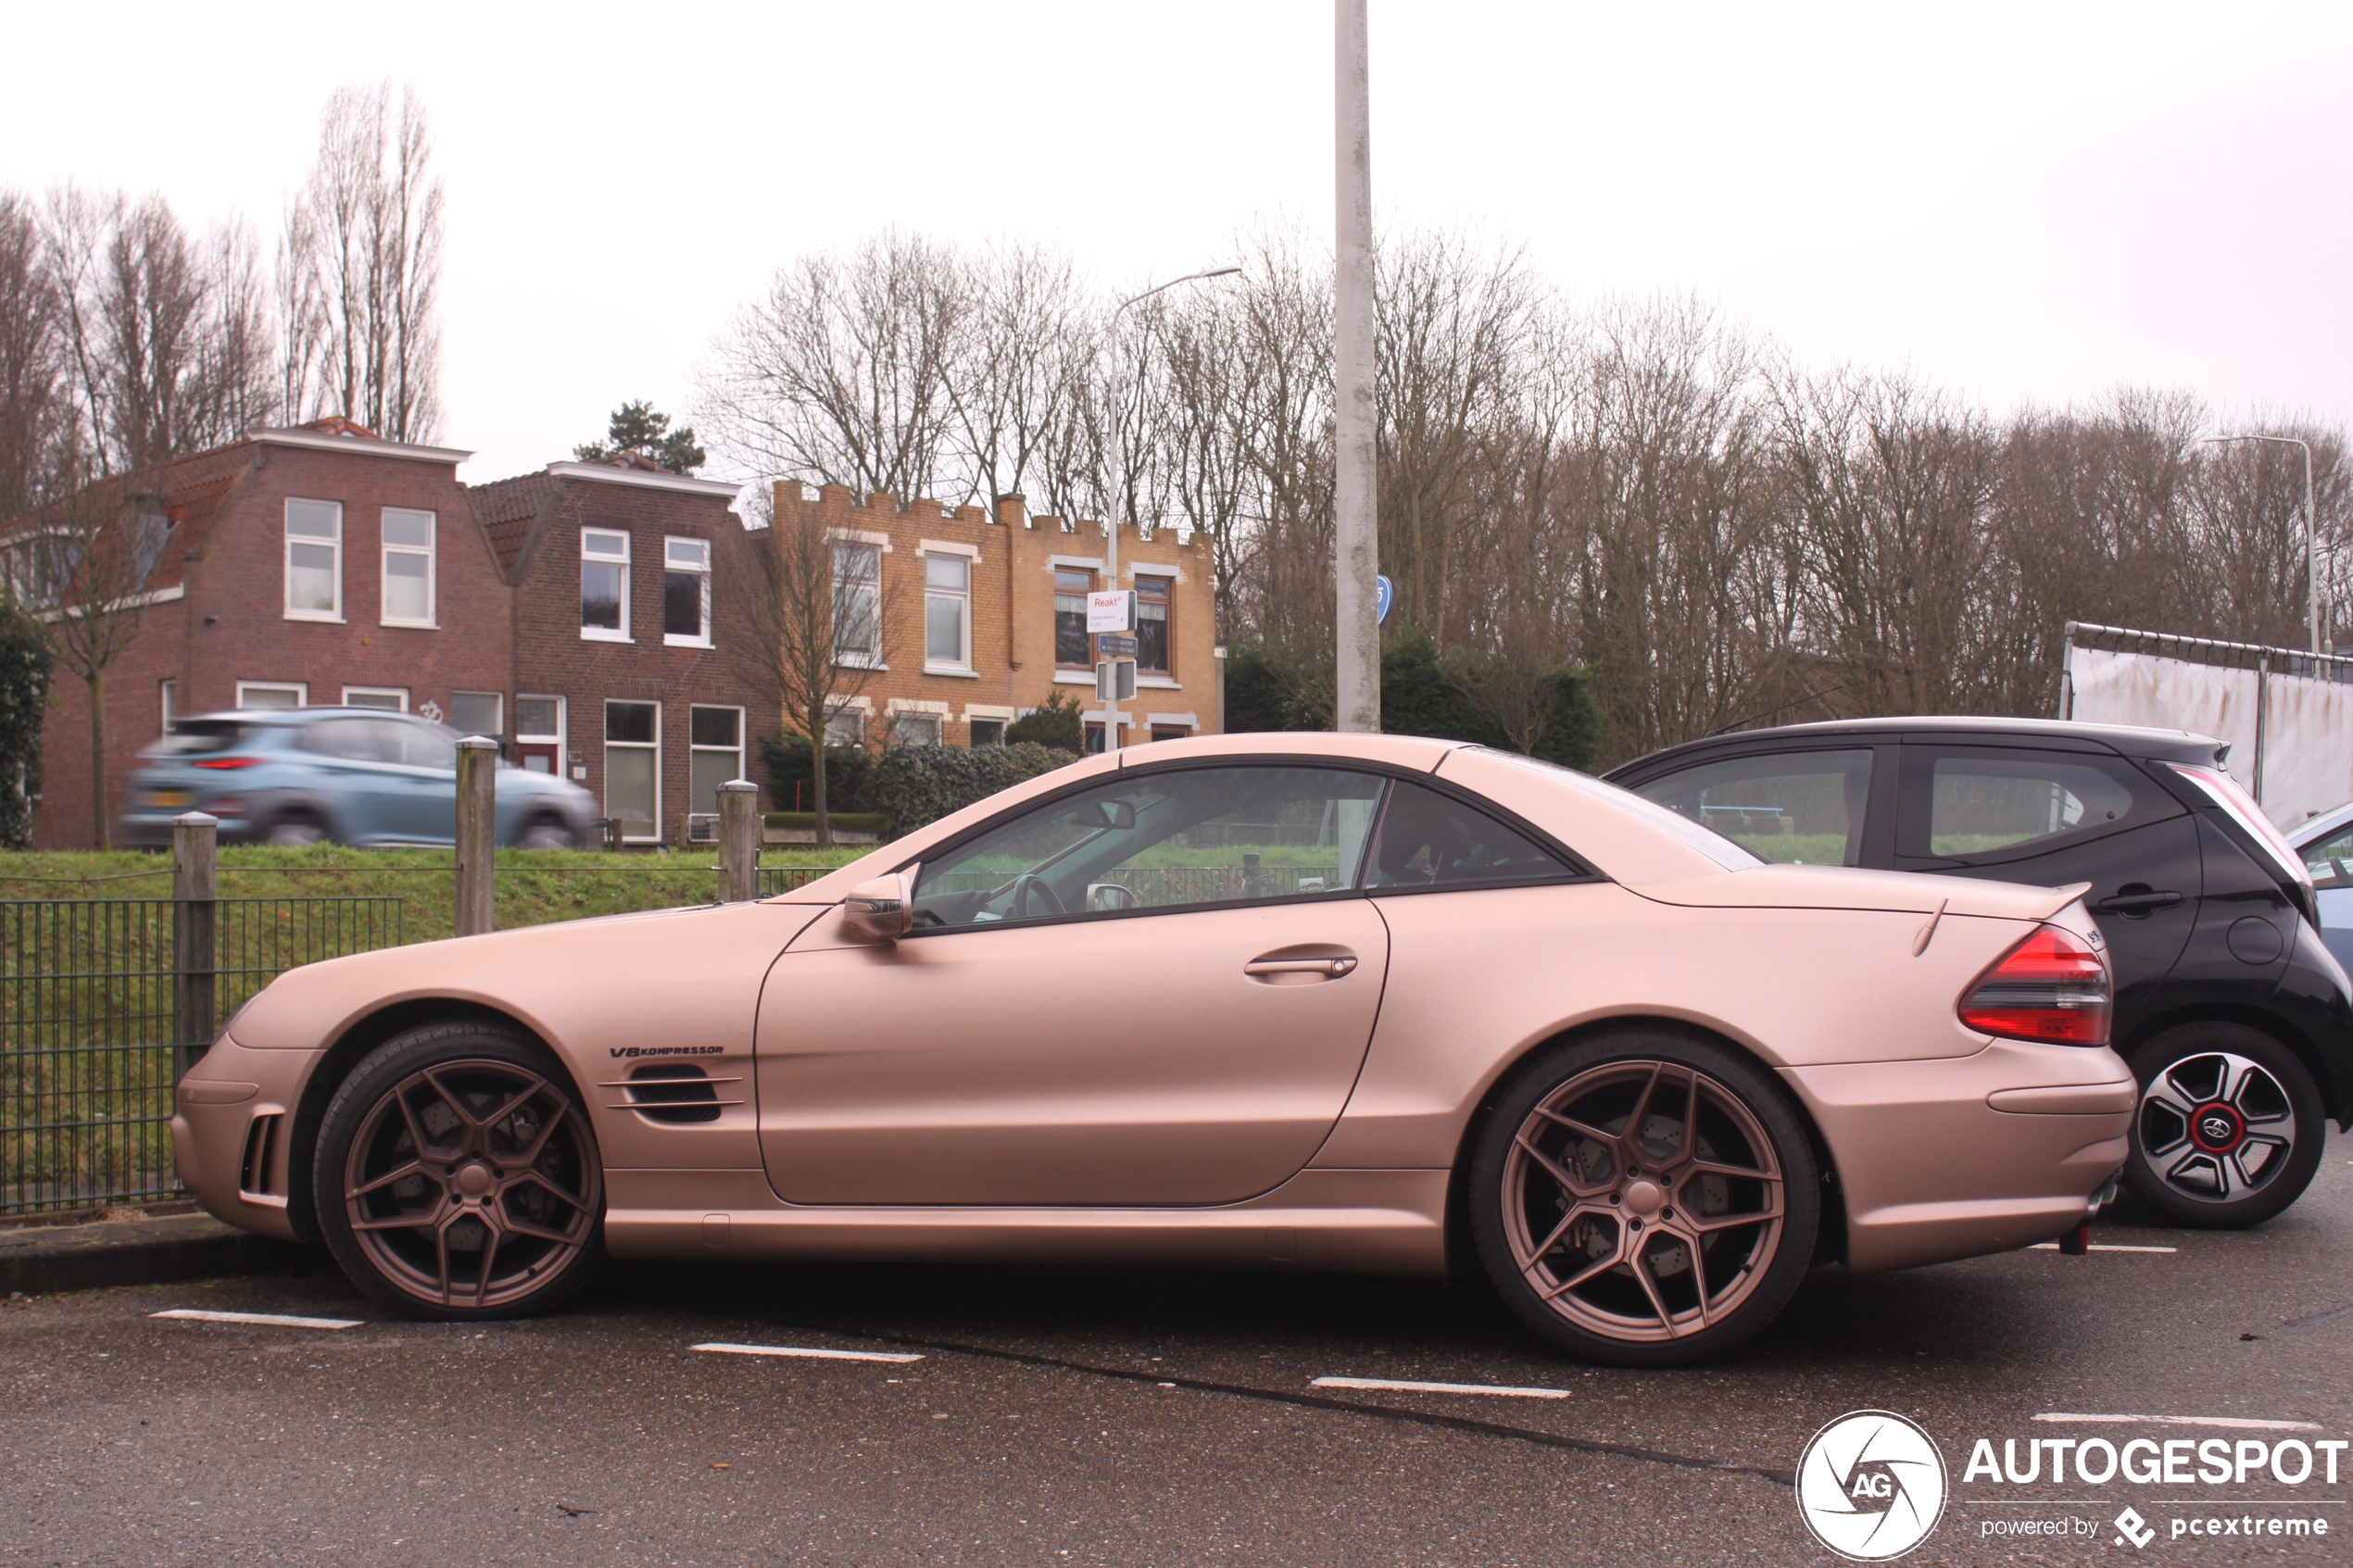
(675, 1094)
(257, 1173)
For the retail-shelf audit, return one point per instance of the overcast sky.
(2023, 203)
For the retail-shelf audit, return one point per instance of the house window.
(1153, 596)
(314, 560)
(392, 700)
(408, 567)
(857, 602)
(633, 768)
(715, 743)
(539, 734)
(846, 726)
(685, 593)
(273, 693)
(947, 611)
(989, 732)
(1072, 650)
(914, 729)
(477, 713)
(604, 585)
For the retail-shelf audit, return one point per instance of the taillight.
(226, 763)
(2051, 988)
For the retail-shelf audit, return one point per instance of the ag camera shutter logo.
(1871, 1486)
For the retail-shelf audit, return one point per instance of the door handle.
(2140, 902)
(1331, 968)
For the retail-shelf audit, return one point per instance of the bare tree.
(360, 270)
(82, 564)
(839, 374)
(34, 407)
(812, 618)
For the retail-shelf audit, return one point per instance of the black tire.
(503, 1218)
(295, 832)
(1673, 1312)
(2228, 1129)
(545, 834)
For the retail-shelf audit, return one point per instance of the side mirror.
(882, 909)
(1115, 813)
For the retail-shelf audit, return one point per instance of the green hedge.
(915, 785)
(848, 774)
(840, 821)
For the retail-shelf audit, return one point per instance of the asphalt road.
(1038, 1426)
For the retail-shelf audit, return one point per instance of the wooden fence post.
(477, 834)
(195, 887)
(738, 841)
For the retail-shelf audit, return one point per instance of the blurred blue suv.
(355, 775)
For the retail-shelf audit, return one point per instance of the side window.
(1795, 808)
(1967, 803)
(352, 740)
(1177, 840)
(1428, 840)
(2331, 859)
(420, 745)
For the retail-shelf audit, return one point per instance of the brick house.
(629, 665)
(316, 565)
(984, 617)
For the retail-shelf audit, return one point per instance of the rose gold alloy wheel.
(1642, 1201)
(471, 1183)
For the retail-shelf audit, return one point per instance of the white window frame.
(167, 698)
(842, 714)
(655, 746)
(962, 663)
(669, 564)
(498, 697)
(535, 737)
(600, 634)
(870, 657)
(735, 752)
(399, 692)
(286, 563)
(430, 550)
(301, 690)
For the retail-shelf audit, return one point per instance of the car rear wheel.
(457, 1177)
(1644, 1198)
(2228, 1130)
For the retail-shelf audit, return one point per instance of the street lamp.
(2311, 525)
(1119, 482)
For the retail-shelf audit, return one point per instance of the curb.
(49, 1259)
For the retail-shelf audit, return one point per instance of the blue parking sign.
(1384, 596)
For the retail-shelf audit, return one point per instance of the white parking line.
(2102, 1247)
(894, 1356)
(2235, 1423)
(1401, 1385)
(273, 1320)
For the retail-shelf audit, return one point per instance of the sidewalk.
(45, 1260)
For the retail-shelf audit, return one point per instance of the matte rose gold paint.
(962, 1095)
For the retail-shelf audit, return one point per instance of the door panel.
(1125, 1061)
(2049, 818)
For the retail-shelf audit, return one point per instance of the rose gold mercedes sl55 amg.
(1341, 1002)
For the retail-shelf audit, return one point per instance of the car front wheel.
(457, 1177)
(1644, 1198)
(2228, 1130)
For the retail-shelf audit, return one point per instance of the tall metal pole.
(2311, 526)
(1357, 543)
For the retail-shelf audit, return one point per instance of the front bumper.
(1956, 1156)
(232, 1134)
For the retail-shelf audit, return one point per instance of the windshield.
(1708, 842)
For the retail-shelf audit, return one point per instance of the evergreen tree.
(24, 697)
(640, 429)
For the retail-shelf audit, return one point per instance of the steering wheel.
(1029, 885)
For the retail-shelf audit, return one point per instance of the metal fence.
(775, 880)
(103, 1003)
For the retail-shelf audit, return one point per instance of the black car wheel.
(2228, 1129)
(1644, 1198)
(545, 834)
(457, 1177)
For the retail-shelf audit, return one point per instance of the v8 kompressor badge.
(1871, 1486)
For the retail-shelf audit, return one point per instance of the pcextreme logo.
(1871, 1486)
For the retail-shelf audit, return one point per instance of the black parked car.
(2234, 1016)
